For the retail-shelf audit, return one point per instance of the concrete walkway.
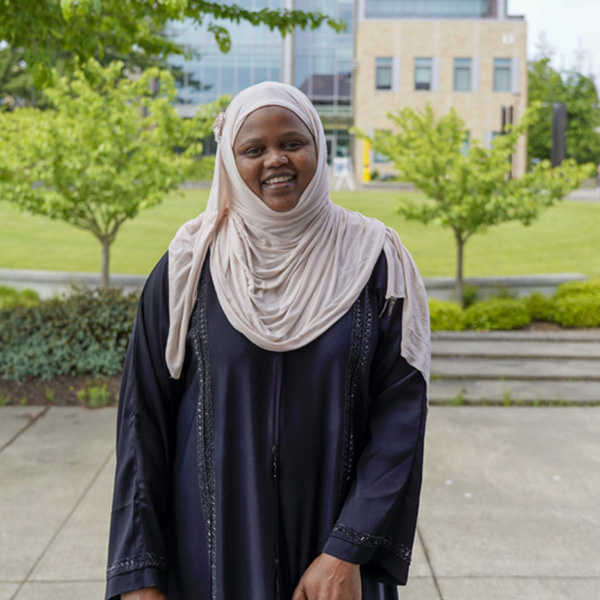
(510, 504)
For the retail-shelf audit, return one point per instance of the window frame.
(420, 87)
(467, 65)
(379, 66)
(502, 65)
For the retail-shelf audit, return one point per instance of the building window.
(383, 73)
(462, 74)
(502, 74)
(423, 73)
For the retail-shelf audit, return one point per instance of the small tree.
(469, 191)
(102, 154)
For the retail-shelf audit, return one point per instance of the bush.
(11, 297)
(84, 334)
(497, 313)
(445, 316)
(470, 295)
(577, 288)
(540, 307)
(578, 310)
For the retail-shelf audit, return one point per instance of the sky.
(571, 27)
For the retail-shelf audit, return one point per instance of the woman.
(272, 412)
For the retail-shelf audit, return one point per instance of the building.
(463, 53)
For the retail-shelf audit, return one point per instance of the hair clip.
(218, 126)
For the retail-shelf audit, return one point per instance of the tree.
(469, 191)
(87, 28)
(580, 96)
(104, 151)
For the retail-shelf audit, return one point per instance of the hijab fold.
(284, 278)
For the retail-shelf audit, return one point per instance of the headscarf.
(284, 278)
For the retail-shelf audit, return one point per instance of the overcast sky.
(572, 28)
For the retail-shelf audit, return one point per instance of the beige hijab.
(283, 279)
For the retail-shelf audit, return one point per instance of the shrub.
(86, 333)
(470, 294)
(578, 310)
(577, 288)
(445, 316)
(540, 307)
(497, 313)
(11, 297)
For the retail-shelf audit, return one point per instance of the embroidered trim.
(362, 319)
(205, 430)
(372, 541)
(139, 561)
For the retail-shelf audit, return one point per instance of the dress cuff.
(359, 547)
(136, 580)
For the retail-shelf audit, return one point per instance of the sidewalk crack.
(431, 569)
(62, 525)
(32, 420)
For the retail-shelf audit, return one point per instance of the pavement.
(509, 506)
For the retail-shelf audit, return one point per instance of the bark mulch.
(61, 391)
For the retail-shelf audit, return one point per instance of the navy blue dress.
(231, 480)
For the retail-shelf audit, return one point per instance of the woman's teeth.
(281, 179)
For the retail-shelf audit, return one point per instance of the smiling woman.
(276, 156)
(272, 415)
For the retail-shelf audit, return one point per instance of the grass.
(563, 240)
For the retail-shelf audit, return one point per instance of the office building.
(466, 54)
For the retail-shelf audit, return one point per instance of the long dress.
(231, 480)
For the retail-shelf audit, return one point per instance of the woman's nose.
(275, 158)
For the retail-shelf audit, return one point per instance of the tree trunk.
(460, 245)
(104, 283)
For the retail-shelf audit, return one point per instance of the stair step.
(515, 368)
(513, 391)
(515, 348)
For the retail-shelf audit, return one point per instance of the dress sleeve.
(138, 545)
(377, 523)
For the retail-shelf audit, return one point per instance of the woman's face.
(276, 156)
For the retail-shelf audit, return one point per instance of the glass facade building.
(318, 62)
(207, 73)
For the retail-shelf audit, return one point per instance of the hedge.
(85, 334)
(445, 316)
(497, 313)
(10, 297)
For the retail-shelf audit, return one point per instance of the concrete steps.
(515, 367)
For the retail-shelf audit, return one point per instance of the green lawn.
(566, 239)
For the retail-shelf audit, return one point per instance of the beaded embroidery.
(205, 430)
(362, 317)
(371, 541)
(139, 561)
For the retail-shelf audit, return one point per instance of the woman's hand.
(145, 594)
(329, 578)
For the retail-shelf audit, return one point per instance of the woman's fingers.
(299, 593)
(329, 578)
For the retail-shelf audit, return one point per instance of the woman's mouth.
(278, 180)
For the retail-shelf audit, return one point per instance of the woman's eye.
(293, 145)
(252, 151)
